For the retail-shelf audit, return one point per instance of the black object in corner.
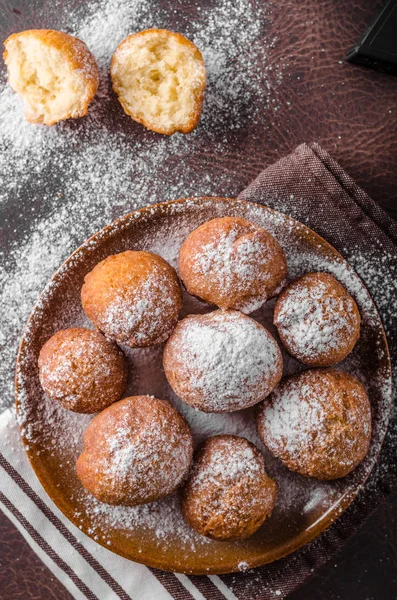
(377, 49)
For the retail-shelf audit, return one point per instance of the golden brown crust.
(232, 263)
(82, 370)
(75, 52)
(133, 297)
(317, 320)
(228, 494)
(199, 93)
(136, 451)
(318, 423)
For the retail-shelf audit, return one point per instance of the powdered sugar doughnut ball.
(317, 320)
(136, 451)
(318, 423)
(133, 297)
(232, 263)
(228, 494)
(222, 361)
(82, 370)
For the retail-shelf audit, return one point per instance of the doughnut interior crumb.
(54, 73)
(159, 77)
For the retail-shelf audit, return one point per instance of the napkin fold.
(310, 186)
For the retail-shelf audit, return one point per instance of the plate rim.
(308, 535)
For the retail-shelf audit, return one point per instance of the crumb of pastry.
(54, 73)
(159, 77)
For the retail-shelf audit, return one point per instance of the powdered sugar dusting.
(228, 494)
(237, 262)
(304, 419)
(314, 318)
(294, 416)
(80, 369)
(229, 462)
(229, 360)
(149, 315)
(144, 451)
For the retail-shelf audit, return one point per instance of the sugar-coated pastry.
(159, 78)
(222, 361)
(317, 320)
(228, 494)
(54, 73)
(82, 370)
(136, 451)
(232, 263)
(318, 423)
(133, 297)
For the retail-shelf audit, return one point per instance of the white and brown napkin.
(310, 186)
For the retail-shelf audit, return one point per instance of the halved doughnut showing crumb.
(159, 77)
(55, 74)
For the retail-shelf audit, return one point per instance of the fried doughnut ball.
(54, 73)
(222, 361)
(159, 78)
(133, 297)
(228, 494)
(317, 320)
(318, 423)
(232, 263)
(136, 451)
(82, 370)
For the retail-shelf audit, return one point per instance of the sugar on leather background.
(352, 112)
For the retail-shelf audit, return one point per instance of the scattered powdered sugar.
(229, 361)
(160, 520)
(378, 269)
(60, 184)
(371, 265)
(47, 422)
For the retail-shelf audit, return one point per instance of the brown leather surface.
(352, 113)
(22, 574)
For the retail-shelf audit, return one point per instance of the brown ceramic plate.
(155, 534)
